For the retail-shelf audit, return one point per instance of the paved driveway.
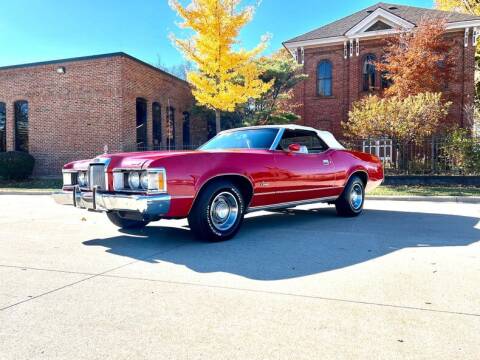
(402, 281)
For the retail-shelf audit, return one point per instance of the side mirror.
(294, 148)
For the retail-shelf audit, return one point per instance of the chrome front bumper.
(145, 205)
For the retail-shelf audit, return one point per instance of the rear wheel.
(124, 223)
(218, 212)
(350, 203)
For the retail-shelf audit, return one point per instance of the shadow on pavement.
(277, 246)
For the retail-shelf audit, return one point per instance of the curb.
(457, 199)
(27, 192)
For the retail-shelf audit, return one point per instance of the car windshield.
(261, 139)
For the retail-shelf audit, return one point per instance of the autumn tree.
(418, 61)
(224, 76)
(464, 6)
(276, 106)
(419, 65)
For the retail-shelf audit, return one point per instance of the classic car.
(238, 171)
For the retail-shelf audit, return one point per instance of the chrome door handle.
(326, 162)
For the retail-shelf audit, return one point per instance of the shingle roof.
(92, 57)
(408, 13)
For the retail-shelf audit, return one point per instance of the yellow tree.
(464, 6)
(224, 77)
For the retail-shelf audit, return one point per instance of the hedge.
(16, 165)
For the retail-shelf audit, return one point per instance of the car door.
(306, 174)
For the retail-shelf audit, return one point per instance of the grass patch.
(48, 185)
(408, 190)
(31, 185)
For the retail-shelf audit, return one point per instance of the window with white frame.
(382, 148)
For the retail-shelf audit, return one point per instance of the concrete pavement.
(401, 281)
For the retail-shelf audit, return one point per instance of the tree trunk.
(218, 123)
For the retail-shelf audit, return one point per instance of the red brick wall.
(144, 82)
(73, 115)
(328, 113)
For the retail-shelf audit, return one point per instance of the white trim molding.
(385, 16)
(336, 40)
(462, 24)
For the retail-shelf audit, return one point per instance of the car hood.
(141, 160)
(131, 160)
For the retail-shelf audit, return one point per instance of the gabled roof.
(409, 14)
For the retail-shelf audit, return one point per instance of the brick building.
(71, 109)
(339, 57)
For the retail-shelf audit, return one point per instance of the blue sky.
(38, 30)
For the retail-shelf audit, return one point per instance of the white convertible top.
(326, 136)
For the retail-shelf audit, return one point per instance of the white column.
(358, 47)
(351, 47)
(467, 32)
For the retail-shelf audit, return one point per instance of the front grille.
(97, 176)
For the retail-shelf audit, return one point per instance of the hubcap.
(356, 196)
(224, 211)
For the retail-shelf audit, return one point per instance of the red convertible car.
(238, 171)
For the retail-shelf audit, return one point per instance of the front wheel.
(124, 223)
(218, 212)
(350, 203)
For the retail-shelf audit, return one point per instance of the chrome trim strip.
(142, 191)
(183, 197)
(292, 204)
(297, 191)
(105, 162)
(127, 169)
(219, 175)
(277, 139)
(357, 171)
(153, 205)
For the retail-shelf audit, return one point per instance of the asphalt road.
(401, 281)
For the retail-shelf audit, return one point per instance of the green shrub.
(413, 118)
(16, 165)
(463, 151)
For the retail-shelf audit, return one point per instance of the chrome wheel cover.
(356, 196)
(224, 211)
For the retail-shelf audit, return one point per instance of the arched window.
(3, 127)
(156, 124)
(21, 125)
(369, 72)
(324, 75)
(171, 127)
(141, 124)
(186, 130)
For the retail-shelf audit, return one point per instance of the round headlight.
(134, 180)
(144, 180)
(82, 178)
